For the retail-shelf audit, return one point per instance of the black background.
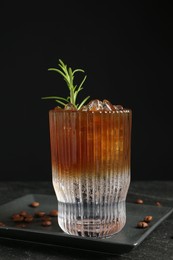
(126, 50)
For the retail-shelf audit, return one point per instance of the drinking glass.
(90, 155)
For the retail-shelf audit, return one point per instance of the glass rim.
(118, 111)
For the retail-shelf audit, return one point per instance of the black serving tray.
(127, 239)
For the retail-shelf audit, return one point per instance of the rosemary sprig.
(68, 75)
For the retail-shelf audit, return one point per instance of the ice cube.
(57, 108)
(118, 107)
(95, 105)
(84, 108)
(108, 106)
(69, 106)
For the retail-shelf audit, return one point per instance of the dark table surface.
(158, 245)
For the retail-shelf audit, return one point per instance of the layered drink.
(90, 153)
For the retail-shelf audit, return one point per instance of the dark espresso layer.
(87, 142)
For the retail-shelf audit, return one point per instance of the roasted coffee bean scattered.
(46, 218)
(142, 224)
(40, 214)
(35, 204)
(148, 219)
(15, 215)
(53, 213)
(28, 219)
(17, 218)
(23, 213)
(139, 201)
(158, 204)
(2, 224)
(46, 223)
(24, 217)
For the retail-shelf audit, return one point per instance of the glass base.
(89, 221)
(91, 228)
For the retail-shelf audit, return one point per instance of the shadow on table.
(40, 251)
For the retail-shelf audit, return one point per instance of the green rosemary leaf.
(83, 102)
(82, 82)
(62, 66)
(76, 70)
(60, 102)
(70, 73)
(55, 97)
(57, 70)
(68, 76)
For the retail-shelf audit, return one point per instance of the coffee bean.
(28, 219)
(148, 219)
(17, 218)
(158, 204)
(142, 224)
(23, 213)
(46, 223)
(46, 218)
(14, 215)
(35, 204)
(24, 217)
(40, 214)
(139, 201)
(53, 213)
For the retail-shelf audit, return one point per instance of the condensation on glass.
(91, 154)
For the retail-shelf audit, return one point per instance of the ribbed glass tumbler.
(90, 153)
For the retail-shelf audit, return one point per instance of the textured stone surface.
(158, 245)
